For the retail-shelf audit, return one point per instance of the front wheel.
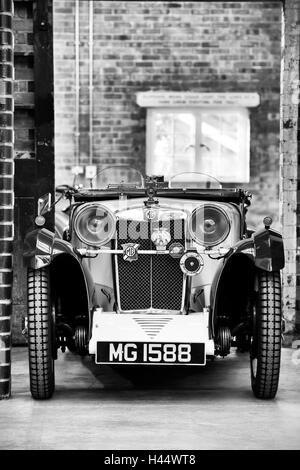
(265, 347)
(40, 334)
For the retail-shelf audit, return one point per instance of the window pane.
(223, 146)
(173, 143)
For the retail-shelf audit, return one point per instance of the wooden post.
(6, 192)
(289, 165)
(34, 111)
(44, 100)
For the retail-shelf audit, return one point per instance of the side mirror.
(43, 206)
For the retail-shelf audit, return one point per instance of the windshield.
(194, 180)
(116, 176)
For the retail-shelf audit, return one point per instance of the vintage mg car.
(152, 272)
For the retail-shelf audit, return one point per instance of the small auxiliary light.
(268, 222)
(191, 263)
(39, 220)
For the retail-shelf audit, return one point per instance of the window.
(211, 140)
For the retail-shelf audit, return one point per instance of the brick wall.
(182, 46)
(24, 80)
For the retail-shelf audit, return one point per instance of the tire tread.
(41, 365)
(269, 319)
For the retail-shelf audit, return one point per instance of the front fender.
(265, 248)
(41, 247)
(269, 251)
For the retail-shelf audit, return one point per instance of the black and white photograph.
(149, 228)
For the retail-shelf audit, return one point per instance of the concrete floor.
(147, 408)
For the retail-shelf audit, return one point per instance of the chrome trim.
(183, 310)
(151, 279)
(184, 284)
(154, 311)
(163, 207)
(119, 310)
(205, 251)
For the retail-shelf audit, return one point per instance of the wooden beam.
(35, 176)
(44, 98)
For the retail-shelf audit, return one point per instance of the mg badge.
(130, 251)
(150, 214)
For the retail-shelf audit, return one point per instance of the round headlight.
(94, 224)
(209, 225)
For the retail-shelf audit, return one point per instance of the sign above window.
(151, 99)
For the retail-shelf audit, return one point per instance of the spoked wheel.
(40, 334)
(265, 346)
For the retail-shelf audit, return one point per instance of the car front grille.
(153, 281)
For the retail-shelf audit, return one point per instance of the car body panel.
(199, 313)
(151, 328)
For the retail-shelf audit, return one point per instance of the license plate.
(150, 353)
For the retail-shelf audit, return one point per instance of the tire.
(265, 349)
(223, 341)
(40, 335)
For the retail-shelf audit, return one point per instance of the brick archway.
(289, 157)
